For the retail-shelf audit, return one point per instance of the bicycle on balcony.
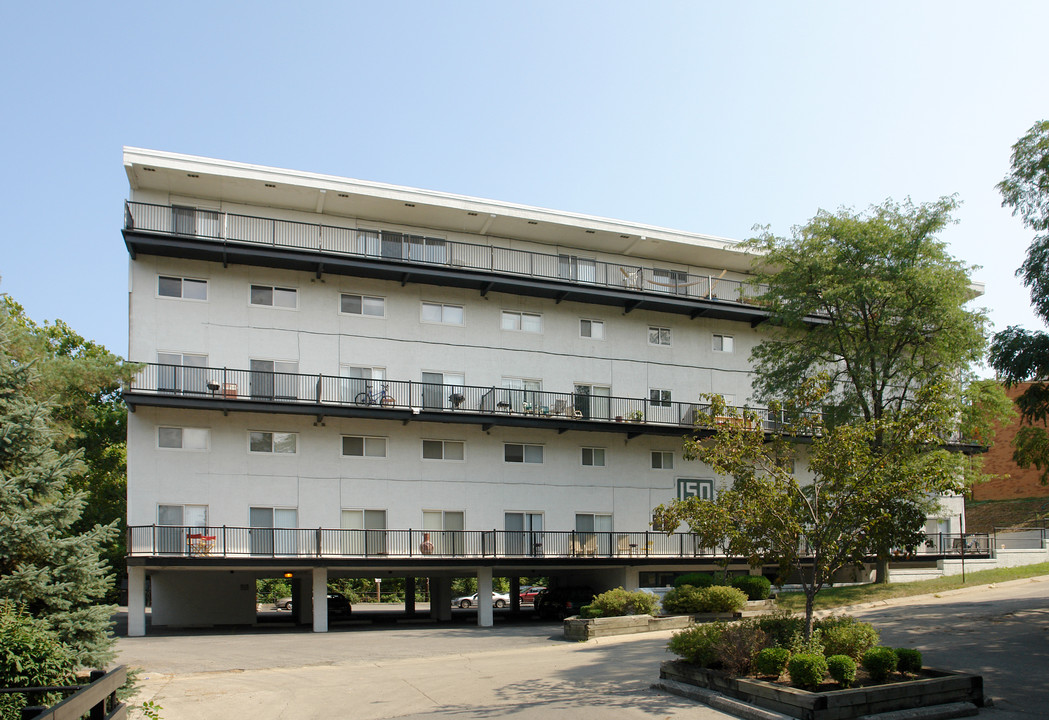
(366, 397)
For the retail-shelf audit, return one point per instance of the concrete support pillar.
(515, 595)
(441, 598)
(484, 597)
(630, 578)
(320, 600)
(409, 595)
(136, 601)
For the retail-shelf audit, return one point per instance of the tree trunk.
(810, 600)
(881, 568)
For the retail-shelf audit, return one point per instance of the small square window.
(723, 343)
(659, 398)
(363, 305)
(594, 457)
(355, 446)
(516, 453)
(444, 314)
(593, 329)
(662, 460)
(659, 336)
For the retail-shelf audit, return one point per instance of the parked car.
(559, 603)
(499, 600)
(529, 593)
(338, 605)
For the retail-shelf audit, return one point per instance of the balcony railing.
(420, 250)
(235, 542)
(327, 391)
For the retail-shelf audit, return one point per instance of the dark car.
(559, 603)
(338, 605)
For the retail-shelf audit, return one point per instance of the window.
(370, 542)
(274, 296)
(273, 531)
(658, 336)
(356, 380)
(445, 528)
(177, 438)
(786, 463)
(362, 305)
(525, 322)
(185, 288)
(443, 391)
(444, 450)
(723, 343)
(592, 401)
(662, 460)
(182, 372)
(278, 379)
(177, 523)
(593, 522)
(444, 314)
(593, 457)
(513, 453)
(273, 442)
(358, 446)
(659, 398)
(571, 267)
(675, 281)
(593, 329)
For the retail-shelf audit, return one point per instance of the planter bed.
(576, 628)
(935, 687)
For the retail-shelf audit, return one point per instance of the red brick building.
(1015, 482)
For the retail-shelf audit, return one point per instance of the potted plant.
(456, 399)
(636, 416)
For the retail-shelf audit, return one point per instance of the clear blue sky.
(707, 117)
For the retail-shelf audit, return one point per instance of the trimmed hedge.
(698, 644)
(695, 579)
(842, 668)
(756, 587)
(715, 599)
(807, 670)
(880, 662)
(845, 635)
(908, 660)
(618, 602)
(771, 662)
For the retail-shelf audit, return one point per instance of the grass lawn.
(832, 597)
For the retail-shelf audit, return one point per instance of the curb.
(919, 598)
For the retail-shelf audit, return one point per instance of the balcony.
(242, 239)
(203, 543)
(230, 390)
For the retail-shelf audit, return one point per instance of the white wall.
(221, 597)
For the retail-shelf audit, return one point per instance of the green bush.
(738, 645)
(618, 602)
(812, 646)
(695, 579)
(684, 599)
(880, 662)
(719, 598)
(845, 635)
(31, 656)
(771, 661)
(908, 660)
(842, 668)
(781, 626)
(755, 586)
(807, 669)
(698, 644)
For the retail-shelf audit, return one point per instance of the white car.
(499, 600)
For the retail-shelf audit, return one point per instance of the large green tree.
(1020, 355)
(46, 566)
(812, 519)
(81, 382)
(875, 301)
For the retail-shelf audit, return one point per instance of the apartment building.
(346, 378)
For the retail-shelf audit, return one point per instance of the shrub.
(842, 668)
(695, 579)
(719, 598)
(880, 662)
(684, 599)
(781, 626)
(771, 661)
(738, 645)
(845, 635)
(908, 660)
(617, 602)
(698, 644)
(32, 656)
(812, 646)
(755, 586)
(807, 669)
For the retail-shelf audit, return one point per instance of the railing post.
(153, 540)
(319, 537)
(319, 377)
(681, 545)
(225, 552)
(411, 543)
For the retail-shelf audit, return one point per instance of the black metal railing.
(418, 249)
(228, 541)
(229, 384)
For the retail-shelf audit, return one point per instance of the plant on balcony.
(456, 399)
(636, 416)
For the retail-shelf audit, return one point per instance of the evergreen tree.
(47, 567)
